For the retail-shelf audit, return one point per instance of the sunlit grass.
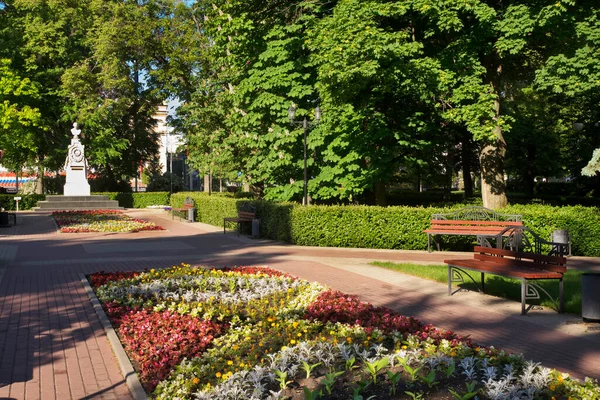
(498, 285)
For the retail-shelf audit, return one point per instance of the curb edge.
(131, 378)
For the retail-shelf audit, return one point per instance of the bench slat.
(463, 222)
(465, 229)
(510, 262)
(519, 254)
(499, 269)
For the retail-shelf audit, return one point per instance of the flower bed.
(255, 333)
(100, 221)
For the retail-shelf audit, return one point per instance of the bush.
(138, 199)
(387, 227)
(27, 202)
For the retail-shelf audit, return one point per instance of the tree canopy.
(410, 91)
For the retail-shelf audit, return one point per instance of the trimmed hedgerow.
(397, 227)
(138, 199)
(27, 202)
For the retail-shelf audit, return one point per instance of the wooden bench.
(473, 221)
(527, 267)
(245, 214)
(188, 204)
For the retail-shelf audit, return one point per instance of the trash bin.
(590, 296)
(256, 227)
(3, 218)
(191, 214)
(562, 236)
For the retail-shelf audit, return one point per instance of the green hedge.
(138, 199)
(388, 227)
(27, 202)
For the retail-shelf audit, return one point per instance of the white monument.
(76, 167)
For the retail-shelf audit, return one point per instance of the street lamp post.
(305, 125)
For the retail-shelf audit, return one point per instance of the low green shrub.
(138, 199)
(27, 202)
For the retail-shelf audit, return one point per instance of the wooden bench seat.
(527, 267)
(242, 217)
(465, 227)
(188, 204)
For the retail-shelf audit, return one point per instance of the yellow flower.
(552, 387)
(299, 334)
(229, 362)
(195, 381)
(218, 374)
(292, 341)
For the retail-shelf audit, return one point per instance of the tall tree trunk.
(491, 157)
(207, 184)
(466, 156)
(530, 173)
(380, 197)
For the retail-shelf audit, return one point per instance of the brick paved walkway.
(52, 345)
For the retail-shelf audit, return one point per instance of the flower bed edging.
(131, 378)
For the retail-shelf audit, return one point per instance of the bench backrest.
(453, 222)
(471, 227)
(521, 259)
(477, 213)
(187, 206)
(246, 214)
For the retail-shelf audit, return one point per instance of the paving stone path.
(52, 345)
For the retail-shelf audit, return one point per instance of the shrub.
(27, 202)
(138, 199)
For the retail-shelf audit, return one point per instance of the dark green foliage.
(27, 202)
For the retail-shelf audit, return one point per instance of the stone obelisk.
(76, 167)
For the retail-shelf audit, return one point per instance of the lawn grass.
(497, 285)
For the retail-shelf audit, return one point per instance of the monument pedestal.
(76, 183)
(64, 203)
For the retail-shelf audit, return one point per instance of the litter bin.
(256, 227)
(191, 214)
(3, 218)
(590, 296)
(562, 236)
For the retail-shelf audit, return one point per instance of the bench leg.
(523, 296)
(449, 280)
(482, 282)
(429, 245)
(561, 293)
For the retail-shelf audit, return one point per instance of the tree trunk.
(491, 157)
(207, 188)
(466, 154)
(380, 197)
(530, 174)
(39, 184)
(493, 188)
